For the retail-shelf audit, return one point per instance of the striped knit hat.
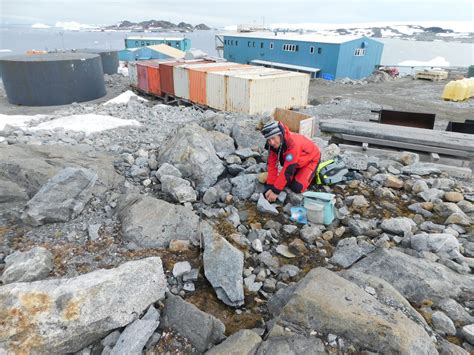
(271, 129)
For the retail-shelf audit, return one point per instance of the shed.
(161, 51)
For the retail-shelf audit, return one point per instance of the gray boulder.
(442, 324)
(136, 334)
(24, 169)
(167, 169)
(416, 279)
(292, 345)
(246, 135)
(62, 198)
(353, 314)
(223, 266)
(435, 243)
(244, 342)
(202, 329)
(66, 315)
(468, 332)
(455, 311)
(148, 222)
(179, 189)
(243, 186)
(222, 142)
(191, 151)
(362, 227)
(398, 225)
(420, 169)
(348, 252)
(355, 161)
(34, 264)
(431, 195)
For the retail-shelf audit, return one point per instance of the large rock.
(398, 225)
(244, 186)
(348, 252)
(292, 345)
(191, 150)
(202, 329)
(148, 222)
(25, 168)
(222, 142)
(244, 342)
(179, 189)
(435, 243)
(223, 267)
(34, 264)
(246, 135)
(416, 279)
(66, 315)
(62, 198)
(136, 334)
(327, 303)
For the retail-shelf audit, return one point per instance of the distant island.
(156, 26)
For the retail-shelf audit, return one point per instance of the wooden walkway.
(418, 139)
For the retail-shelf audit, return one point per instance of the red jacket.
(296, 152)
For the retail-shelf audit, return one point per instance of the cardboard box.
(297, 122)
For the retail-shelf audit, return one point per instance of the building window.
(271, 45)
(225, 41)
(236, 43)
(320, 50)
(248, 43)
(137, 43)
(359, 52)
(290, 47)
(311, 50)
(261, 44)
(253, 44)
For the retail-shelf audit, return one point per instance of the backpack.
(331, 172)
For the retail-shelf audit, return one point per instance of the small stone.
(283, 250)
(468, 333)
(339, 231)
(370, 290)
(189, 287)
(297, 247)
(408, 158)
(328, 235)
(266, 207)
(359, 201)
(419, 186)
(210, 196)
(146, 182)
(191, 275)
(180, 268)
(453, 196)
(269, 285)
(93, 231)
(229, 199)
(393, 182)
(177, 245)
(458, 218)
(442, 324)
(289, 228)
(257, 245)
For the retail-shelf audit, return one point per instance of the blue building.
(327, 57)
(159, 51)
(183, 44)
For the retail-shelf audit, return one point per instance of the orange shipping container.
(153, 75)
(166, 74)
(198, 78)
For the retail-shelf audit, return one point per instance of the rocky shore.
(155, 238)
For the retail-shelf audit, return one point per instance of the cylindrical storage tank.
(142, 76)
(470, 71)
(197, 79)
(132, 74)
(110, 59)
(52, 79)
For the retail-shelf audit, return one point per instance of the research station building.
(327, 57)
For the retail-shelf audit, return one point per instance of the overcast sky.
(229, 12)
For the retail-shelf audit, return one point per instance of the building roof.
(293, 37)
(286, 66)
(156, 38)
(170, 51)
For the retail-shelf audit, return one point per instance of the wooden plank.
(441, 139)
(403, 145)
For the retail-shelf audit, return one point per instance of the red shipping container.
(142, 77)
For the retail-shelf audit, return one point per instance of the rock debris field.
(153, 237)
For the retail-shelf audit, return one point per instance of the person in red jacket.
(292, 160)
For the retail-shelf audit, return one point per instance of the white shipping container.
(216, 85)
(181, 81)
(132, 74)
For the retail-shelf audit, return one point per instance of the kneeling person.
(292, 160)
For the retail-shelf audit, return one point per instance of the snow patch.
(5, 50)
(124, 98)
(73, 26)
(88, 123)
(40, 25)
(20, 121)
(435, 62)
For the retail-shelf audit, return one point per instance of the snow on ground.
(88, 123)
(124, 98)
(435, 62)
(40, 25)
(5, 50)
(73, 26)
(389, 33)
(20, 121)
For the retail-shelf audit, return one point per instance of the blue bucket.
(327, 200)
